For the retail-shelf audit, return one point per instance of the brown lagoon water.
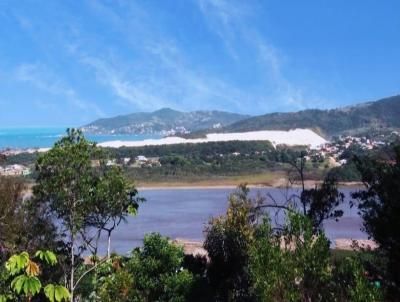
(183, 213)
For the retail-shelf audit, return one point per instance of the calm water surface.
(183, 213)
(40, 137)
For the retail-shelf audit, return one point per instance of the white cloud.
(233, 22)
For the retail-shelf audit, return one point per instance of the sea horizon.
(45, 137)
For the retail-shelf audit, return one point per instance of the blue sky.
(65, 63)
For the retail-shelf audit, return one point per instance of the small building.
(141, 158)
(111, 162)
(95, 163)
(15, 170)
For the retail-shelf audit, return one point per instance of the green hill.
(164, 121)
(380, 115)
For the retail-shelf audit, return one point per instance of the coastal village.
(335, 149)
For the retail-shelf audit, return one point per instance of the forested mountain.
(380, 115)
(164, 121)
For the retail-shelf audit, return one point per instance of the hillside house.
(14, 170)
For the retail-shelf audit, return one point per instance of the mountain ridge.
(164, 121)
(380, 115)
(383, 114)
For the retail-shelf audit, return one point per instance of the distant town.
(330, 151)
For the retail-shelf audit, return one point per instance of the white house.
(141, 158)
(15, 170)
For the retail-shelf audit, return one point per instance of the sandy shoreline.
(183, 186)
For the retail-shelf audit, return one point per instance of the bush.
(292, 264)
(228, 240)
(153, 273)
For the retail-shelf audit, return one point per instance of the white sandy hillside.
(292, 138)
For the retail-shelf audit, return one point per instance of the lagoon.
(183, 213)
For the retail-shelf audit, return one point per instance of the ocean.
(42, 137)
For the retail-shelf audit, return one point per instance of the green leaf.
(17, 283)
(3, 298)
(132, 210)
(17, 263)
(56, 293)
(50, 292)
(29, 285)
(47, 256)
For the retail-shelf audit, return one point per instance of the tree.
(74, 191)
(153, 273)
(115, 199)
(290, 264)
(322, 201)
(10, 211)
(379, 205)
(228, 239)
(319, 203)
(350, 283)
(23, 226)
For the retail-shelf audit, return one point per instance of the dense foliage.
(380, 209)
(291, 264)
(152, 273)
(82, 197)
(23, 225)
(228, 239)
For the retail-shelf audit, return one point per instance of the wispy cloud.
(43, 79)
(140, 63)
(232, 22)
(223, 18)
(165, 75)
(138, 92)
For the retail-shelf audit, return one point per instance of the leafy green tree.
(292, 264)
(114, 200)
(349, 282)
(153, 273)
(228, 239)
(24, 274)
(379, 205)
(75, 191)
